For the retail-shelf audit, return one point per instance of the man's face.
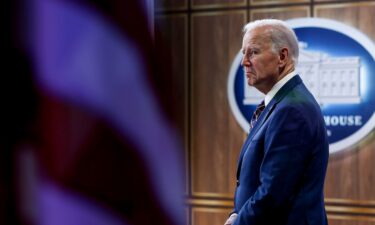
(260, 62)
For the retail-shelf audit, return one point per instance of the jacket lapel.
(276, 99)
(265, 114)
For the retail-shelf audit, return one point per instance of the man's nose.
(245, 61)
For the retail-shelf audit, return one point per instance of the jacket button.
(238, 183)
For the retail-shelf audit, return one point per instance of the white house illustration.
(329, 79)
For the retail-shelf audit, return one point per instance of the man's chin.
(251, 80)
(251, 83)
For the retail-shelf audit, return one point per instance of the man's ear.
(283, 57)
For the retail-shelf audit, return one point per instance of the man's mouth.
(249, 74)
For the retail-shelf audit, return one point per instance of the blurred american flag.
(100, 147)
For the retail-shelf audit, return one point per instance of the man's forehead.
(257, 31)
(256, 36)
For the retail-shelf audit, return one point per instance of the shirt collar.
(278, 86)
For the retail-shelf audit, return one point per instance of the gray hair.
(281, 35)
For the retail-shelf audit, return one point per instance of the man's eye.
(251, 53)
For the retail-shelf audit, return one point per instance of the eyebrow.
(251, 49)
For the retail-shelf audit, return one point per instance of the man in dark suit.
(282, 165)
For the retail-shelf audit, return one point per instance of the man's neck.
(285, 71)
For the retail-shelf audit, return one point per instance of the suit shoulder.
(301, 99)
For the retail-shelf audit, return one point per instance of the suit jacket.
(282, 165)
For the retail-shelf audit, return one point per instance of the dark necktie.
(256, 114)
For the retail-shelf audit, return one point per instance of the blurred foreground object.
(98, 146)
